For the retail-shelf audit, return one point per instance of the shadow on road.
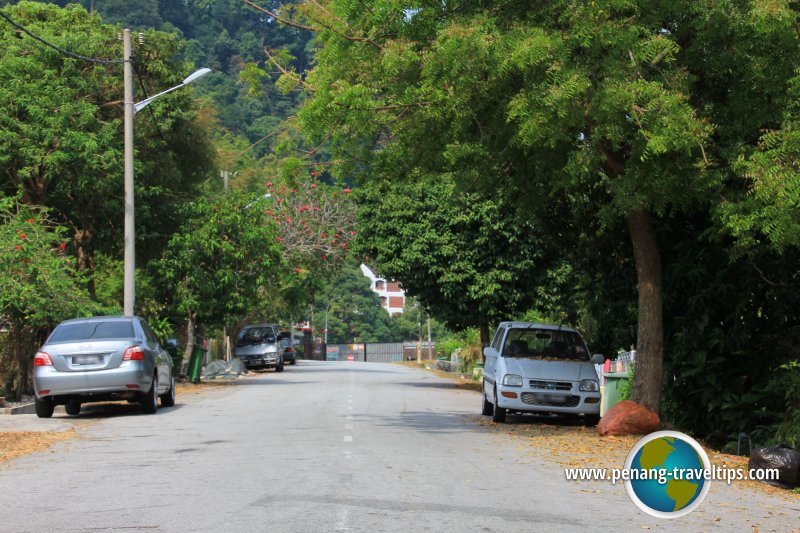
(113, 409)
(443, 385)
(427, 421)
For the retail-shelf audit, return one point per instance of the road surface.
(326, 447)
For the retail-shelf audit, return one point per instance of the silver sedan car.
(100, 359)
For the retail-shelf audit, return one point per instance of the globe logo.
(669, 474)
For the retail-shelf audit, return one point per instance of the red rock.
(628, 418)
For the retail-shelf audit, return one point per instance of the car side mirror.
(171, 343)
(598, 359)
(489, 352)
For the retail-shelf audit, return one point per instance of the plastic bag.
(784, 458)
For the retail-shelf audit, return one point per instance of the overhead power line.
(57, 48)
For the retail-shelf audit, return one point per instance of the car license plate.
(85, 359)
(555, 399)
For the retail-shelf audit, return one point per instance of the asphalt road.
(326, 447)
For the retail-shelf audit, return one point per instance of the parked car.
(258, 346)
(289, 353)
(100, 359)
(540, 368)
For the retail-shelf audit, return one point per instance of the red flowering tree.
(38, 287)
(316, 223)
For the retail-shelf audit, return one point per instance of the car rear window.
(113, 329)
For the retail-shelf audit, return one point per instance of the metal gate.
(370, 352)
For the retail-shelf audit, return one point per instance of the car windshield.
(113, 329)
(545, 344)
(255, 336)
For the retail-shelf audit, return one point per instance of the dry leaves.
(14, 444)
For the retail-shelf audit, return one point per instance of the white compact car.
(540, 368)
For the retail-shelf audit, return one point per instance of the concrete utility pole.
(430, 344)
(129, 281)
(129, 287)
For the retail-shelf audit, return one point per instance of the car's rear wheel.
(73, 407)
(168, 398)
(150, 399)
(44, 407)
(498, 413)
(294, 362)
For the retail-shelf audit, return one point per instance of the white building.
(393, 298)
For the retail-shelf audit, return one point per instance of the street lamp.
(131, 108)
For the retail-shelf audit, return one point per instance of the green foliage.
(466, 259)
(355, 313)
(38, 285)
(625, 386)
(217, 265)
(577, 115)
(787, 429)
(468, 344)
(61, 142)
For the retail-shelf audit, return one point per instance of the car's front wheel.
(591, 420)
(168, 398)
(279, 367)
(44, 407)
(150, 399)
(73, 407)
(488, 408)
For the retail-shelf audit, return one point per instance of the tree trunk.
(485, 340)
(21, 340)
(85, 261)
(190, 334)
(648, 377)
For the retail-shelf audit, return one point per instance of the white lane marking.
(342, 520)
(349, 407)
(348, 438)
(348, 454)
(348, 426)
(349, 417)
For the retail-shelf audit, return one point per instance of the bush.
(787, 431)
(626, 386)
(468, 344)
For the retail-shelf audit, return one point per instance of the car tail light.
(42, 359)
(130, 386)
(43, 392)
(134, 353)
(289, 349)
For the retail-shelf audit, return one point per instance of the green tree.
(619, 107)
(469, 261)
(216, 267)
(61, 129)
(355, 313)
(38, 283)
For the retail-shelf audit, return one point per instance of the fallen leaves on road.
(14, 444)
(572, 445)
